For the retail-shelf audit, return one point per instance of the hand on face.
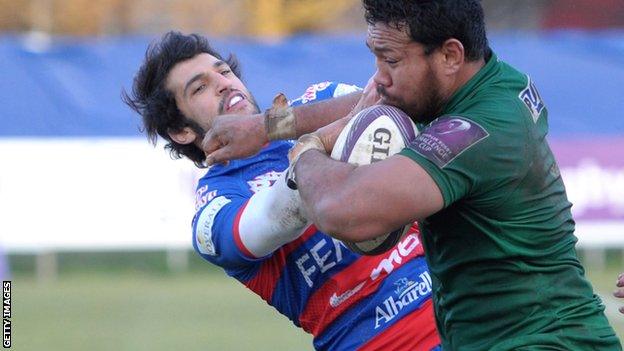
(370, 96)
(329, 133)
(234, 137)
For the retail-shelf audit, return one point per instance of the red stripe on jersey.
(236, 230)
(416, 331)
(357, 281)
(265, 280)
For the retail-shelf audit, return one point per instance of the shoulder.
(323, 91)
(210, 187)
(511, 96)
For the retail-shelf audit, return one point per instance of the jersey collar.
(471, 86)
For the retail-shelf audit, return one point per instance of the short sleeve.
(466, 158)
(214, 222)
(323, 91)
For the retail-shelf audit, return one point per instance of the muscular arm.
(358, 203)
(234, 137)
(232, 228)
(310, 117)
(271, 218)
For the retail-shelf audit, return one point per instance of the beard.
(425, 106)
(195, 127)
(253, 102)
(201, 131)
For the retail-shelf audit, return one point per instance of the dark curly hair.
(156, 104)
(432, 22)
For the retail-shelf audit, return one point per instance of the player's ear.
(452, 52)
(184, 136)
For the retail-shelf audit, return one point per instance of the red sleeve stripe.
(236, 231)
(350, 285)
(416, 331)
(264, 282)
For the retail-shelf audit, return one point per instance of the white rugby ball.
(370, 136)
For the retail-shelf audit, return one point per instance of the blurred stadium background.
(94, 222)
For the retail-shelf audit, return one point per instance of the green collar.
(482, 75)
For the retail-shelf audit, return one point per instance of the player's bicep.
(271, 218)
(408, 191)
(402, 191)
(467, 159)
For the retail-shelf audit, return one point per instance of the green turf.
(137, 311)
(603, 280)
(147, 312)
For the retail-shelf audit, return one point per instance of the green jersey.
(501, 253)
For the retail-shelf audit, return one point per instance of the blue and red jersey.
(346, 301)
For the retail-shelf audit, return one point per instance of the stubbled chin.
(390, 102)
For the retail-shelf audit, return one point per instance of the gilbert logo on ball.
(370, 136)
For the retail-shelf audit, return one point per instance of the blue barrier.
(72, 86)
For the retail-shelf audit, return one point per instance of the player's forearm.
(312, 116)
(233, 137)
(271, 218)
(326, 189)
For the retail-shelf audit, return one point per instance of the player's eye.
(391, 62)
(225, 72)
(199, 88)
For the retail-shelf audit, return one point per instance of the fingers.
(219, 156)
(370, 85)
(233, 137)
(211, 142)
(369, 97)
(329, 134)
(304, 143)
(215, 149)
(294, 152)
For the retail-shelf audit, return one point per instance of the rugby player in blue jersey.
(249, 223)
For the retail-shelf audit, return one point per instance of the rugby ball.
(370, 136)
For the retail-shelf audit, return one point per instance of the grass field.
(137, 310)
(146, 312)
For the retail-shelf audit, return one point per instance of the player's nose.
(382, 78)
(223, 84)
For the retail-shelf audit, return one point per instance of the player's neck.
(469, 70)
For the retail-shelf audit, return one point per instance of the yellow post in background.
(274, 18)
(267, 17)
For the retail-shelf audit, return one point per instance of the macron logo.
(337, 300)
(385, 267)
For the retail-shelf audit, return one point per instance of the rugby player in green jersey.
(480, 178)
